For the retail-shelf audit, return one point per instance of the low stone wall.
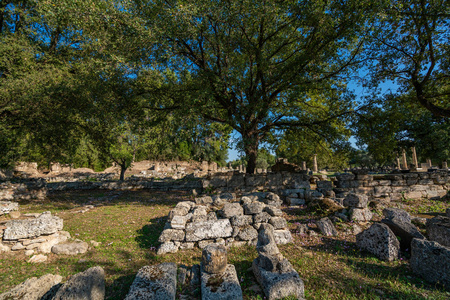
(392, 187)
(23, 190)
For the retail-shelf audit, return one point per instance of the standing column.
(405, 163)
(429, 163)
(304, 166)
(414, 158)
(315, 168)
(398, 163)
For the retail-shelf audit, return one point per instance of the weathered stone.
(438, 230)
(360, 214)
(33, 288)
(279, 284)
(379, 240)
(14, 214)
(431, 260)
(8, 206)
(221, 286)
(326, 227)
(232, 209)
(37, 258)
(179, 222)
(273, 200)
(262, 217)
(167, 247)
(282, 236)
(29, 252)
(52, 240)
(89, 284)
(200, 210)
(295, 201)
(212, 216)
(72, 248)
(214, 259)
(253, 208)
(22, 229)
(187, 245)
(392, 212)
(324, 185)
(17, 246)
(241, 220)
(181, 209)
(171, 235)
(302, 229)
(273, 211)
(266, 241)
(345, 176)
(247, 233)
(203, 200)
(208, 230)
(356, 200)
(405, 230)
(278, 222)
(205, 243)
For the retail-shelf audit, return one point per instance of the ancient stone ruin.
(223, 219)
(38, 234)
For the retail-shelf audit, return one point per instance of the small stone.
(187, 245)
(167, 247)
(17, 246)
(262, 217)
(72, 248)
(241, 220)
(14, 214)
(214, 258)
(29, 252)
(4, 248)
(171, 235)
(37, 258)
(253, 208)
(204, 243)
(89, 284)
(179, 222)
(356, 200)
(232, 209)
(203, 200)
(273, 211)
(302, 228)
(326, 227)
(247, 233)
(282, 236)
(95, 244)
(278, 222)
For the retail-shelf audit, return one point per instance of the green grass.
(128, 225)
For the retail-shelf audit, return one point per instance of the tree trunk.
(251, 143)
(123, 168)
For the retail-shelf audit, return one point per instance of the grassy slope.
(128, 225)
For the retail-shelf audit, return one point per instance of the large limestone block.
(431, 261)
(208, 230)
(282, 236)
(405, 230)
(280, 284)
(360, 214)
(379, 240)
(171, 235)
(43, 225)
(154, 282)
(89, 284)
(241, 220)
(33, 288)
(438, 230)
(221, 286)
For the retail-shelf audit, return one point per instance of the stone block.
(295, 201)
(167, 247)
(273, 211)
(33, 288)
(324, 185)
(392, 212)
(208, 230)
(379, 240)
(221, 286)
(403, 229)
(72, 248)
(203, 200)
(253, 208)
(43, 225)
(382, 191)
(279, 285)
(360, 214)
(232, 209)
(326, 227)
(282, 236)
(272, 199)
(89, 284)
(261, 218)
(438, 230)
(241, 220)
(278, 222)
(8, 206)
(171, 235)
(154, 282)
(248, 233)
(345, 176)
(431, 260)
(356, 200)
(214, 259)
